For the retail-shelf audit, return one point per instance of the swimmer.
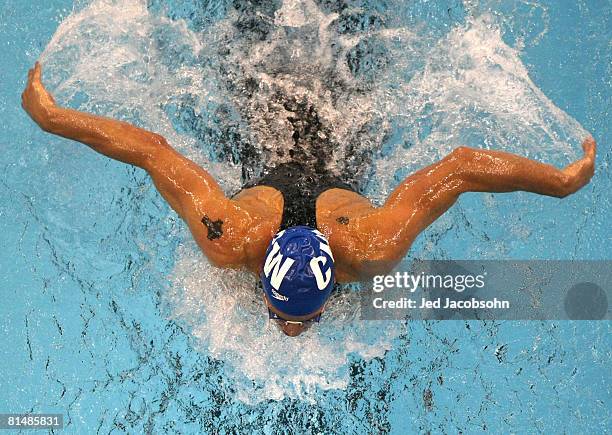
(301, 227)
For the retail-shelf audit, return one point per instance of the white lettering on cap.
(273, 264)
(320, 235)
(277, 295)
(315, 266)
(323, 243)
(325, 248)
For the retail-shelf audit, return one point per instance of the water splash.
(386, 99)
(227, 316)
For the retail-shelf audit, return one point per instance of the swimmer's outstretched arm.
(115, 139)
(382, 237)
(217, 223)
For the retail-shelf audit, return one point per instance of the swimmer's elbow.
(158, 141)
(157, 154)
(376, 263)
(225, 256)
(224, 261)
(380, 253)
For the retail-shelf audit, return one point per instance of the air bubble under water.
(387, 100)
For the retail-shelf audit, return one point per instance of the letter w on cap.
(273, 264)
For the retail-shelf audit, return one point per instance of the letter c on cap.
(315, 266)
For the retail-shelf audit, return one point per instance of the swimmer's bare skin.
(366, 240)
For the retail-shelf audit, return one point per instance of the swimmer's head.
(297, 277)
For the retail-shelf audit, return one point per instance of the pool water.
(113, 317)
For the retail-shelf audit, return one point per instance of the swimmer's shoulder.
(236, 233)
(337, 206)
(260, 198)
(337, 212)
(349, 220)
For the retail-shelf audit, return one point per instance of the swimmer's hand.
(36, 100)
(580, 172)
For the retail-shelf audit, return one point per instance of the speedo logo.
(277, 265)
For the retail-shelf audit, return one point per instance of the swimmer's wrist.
(51, 119)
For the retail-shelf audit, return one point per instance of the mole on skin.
(214, 227)
(343, 220)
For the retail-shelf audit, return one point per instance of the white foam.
(296, 13)
(103, 59)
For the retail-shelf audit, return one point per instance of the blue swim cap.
(298, 272)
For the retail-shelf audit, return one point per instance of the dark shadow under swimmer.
(301, 227)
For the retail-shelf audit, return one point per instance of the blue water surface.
(88, 245)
